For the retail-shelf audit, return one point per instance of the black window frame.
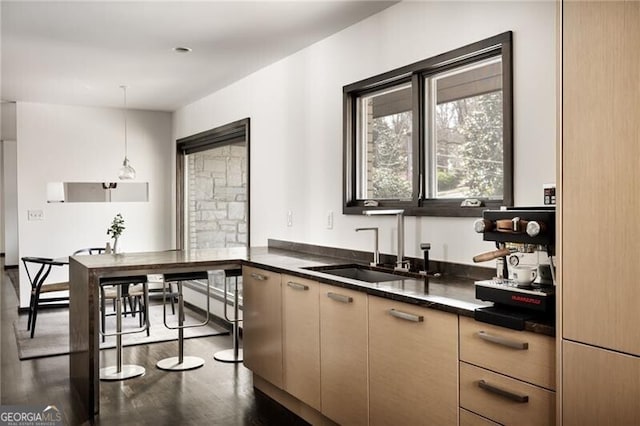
(499, 45)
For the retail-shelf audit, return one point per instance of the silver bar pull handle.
(297, 286)
(340, 297)
(406, 316)
(498, 340)
(511, 395)
(258, 277)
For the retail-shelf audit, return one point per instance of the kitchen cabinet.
(503, 399)
(413, 364)
(600, 200)
(601, 178)
(600, 386)
(343, 354)
(262, 324)
(507, 376)
(526, 356)
(301, 339)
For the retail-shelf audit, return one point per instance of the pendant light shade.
(126, 172)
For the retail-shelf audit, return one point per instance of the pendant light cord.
(124, 89)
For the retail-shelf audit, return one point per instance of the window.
(430, 135)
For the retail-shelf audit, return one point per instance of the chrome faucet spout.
(401, 264)
(376, 252)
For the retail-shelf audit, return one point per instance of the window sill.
(442, 209)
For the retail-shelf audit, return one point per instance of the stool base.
(228, 355)
(128, 371)
(174, 364)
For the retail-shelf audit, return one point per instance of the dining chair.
(38, 269)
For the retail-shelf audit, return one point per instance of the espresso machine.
(516, 232)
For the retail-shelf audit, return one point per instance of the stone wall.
(217, 197)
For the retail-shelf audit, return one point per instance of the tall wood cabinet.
(599, 207)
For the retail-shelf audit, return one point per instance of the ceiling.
(81, 52)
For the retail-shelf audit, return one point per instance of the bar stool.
(127, 371)
(235, 354)
(181, 362)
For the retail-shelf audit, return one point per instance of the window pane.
(384, 146)
(468, 132)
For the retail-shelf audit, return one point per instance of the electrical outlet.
(289, 218)
(330, 219)
(35, 215)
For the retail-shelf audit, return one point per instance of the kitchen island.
(450, 294)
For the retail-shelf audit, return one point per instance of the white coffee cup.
(524, 274)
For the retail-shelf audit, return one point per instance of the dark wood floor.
(216, 394)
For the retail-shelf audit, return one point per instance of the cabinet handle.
(297, 286)
(511, 395)
(406, 316)
(340, 297)
(502, 341)
(258, 277)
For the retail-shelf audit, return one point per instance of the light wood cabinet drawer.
(503, 399)
(467, 418)
(524, 355)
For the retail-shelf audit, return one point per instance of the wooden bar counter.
(85, 273)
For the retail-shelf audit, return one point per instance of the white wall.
(65, 143)
(10, 201)
(295, 107)
(2, 202)
(7, 133)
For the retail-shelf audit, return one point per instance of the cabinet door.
(600, 173)
(600, 387)
(262, 324)
(301, 328)
(413, 364)
(343, 354)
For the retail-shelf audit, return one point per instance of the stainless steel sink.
(360, 273)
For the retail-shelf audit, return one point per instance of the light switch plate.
(35, 215)
(330, 219)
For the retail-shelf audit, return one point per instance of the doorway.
(213, 191)
(213, 188)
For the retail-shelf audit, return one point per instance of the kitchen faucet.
(401, 264)
(376, 253)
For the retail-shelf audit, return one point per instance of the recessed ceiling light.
(181, 49)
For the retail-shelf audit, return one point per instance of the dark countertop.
(447, 293)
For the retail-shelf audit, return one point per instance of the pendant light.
(126, 172)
